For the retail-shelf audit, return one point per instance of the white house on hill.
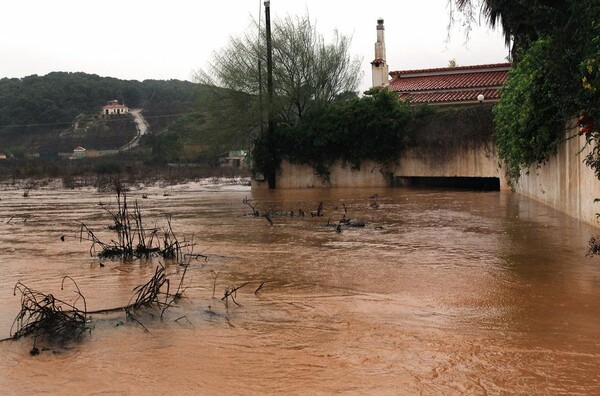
(114, 107)
(78, 153)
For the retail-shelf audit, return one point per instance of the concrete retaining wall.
(289, 175)
(565, 182)
(467, 162)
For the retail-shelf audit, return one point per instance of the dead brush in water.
(133, 240)
(593, 246)
(156, 293)
(48, 318)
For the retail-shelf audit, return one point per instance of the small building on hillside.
(234, 159)
(114, 108)
(78, 153)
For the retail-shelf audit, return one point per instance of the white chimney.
(379, 66)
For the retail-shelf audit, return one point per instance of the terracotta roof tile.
(455, 84)
(456, 68)
(451, 96)
(113, 104)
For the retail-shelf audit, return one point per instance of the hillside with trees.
(41, 113)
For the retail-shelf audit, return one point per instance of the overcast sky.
(149, 39)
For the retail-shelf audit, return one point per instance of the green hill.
(39, 113)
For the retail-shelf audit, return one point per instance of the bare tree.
(307, 72)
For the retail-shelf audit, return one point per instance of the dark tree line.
(36, 111)
(59, 97)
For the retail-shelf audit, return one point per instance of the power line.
(92, 119)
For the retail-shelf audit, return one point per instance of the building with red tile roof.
(447, 85)
(450, 85)
(114, 107)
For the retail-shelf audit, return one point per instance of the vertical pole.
(260, 80)
(271, 125)
(260, 97)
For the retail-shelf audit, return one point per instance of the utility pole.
(260, 80)
(270, 171)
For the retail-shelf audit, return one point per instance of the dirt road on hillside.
(141, 126)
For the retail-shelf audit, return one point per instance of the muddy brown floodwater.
(443, 292)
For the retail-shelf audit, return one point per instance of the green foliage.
(34, 110)
(59, 97)
(523, 21)
(307, 71)
(108, 167)
(375, 127)
(166, 147)
(590, 70)
(555, 77)
(57, 112)
(16, 151)
(537, 99)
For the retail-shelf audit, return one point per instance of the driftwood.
(47, 318)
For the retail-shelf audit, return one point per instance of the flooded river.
(443, 292)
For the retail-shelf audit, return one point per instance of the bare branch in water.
(248, 202)
(269, 218)
(232, 292)
(215, 283)
(155, 293)
(259, 287)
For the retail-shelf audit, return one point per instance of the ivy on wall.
(536, 100)
(556, 78)
(441, 132)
